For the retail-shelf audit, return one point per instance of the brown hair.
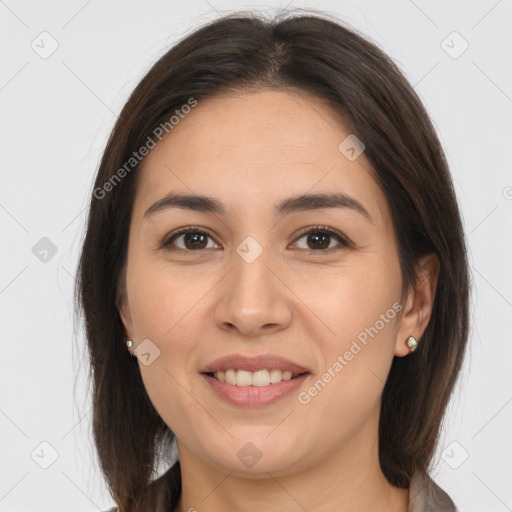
(311, 54)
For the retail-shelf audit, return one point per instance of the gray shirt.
(424, 496)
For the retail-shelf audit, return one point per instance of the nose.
(253, 298)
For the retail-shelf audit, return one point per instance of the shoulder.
(426, 496)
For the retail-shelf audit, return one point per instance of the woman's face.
(256, 280)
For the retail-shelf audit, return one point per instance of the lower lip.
(254, 396)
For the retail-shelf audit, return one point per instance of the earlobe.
(419, 305)
(126, 318)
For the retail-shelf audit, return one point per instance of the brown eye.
(320, 238)
(188, 239)
(194, 240)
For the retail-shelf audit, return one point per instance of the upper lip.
(253, 363)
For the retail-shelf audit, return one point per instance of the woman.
(274, 277)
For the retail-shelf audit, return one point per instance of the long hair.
(318, 56)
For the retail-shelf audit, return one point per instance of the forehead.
(258, 148)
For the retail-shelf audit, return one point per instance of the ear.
(418, 305)
(123, 306)
(126, 317)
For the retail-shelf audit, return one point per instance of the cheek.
(168, 311)
(353, 297)
(161, 300)
(347, 389)
(358, 349)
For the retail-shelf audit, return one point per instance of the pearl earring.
(129, 343)
(412, 343)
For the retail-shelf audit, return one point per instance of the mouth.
(249, 380)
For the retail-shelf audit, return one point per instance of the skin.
(250, 151)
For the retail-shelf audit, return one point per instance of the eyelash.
(344, 242)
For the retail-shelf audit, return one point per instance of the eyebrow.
(306, 202)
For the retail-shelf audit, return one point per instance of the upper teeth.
(259, 378)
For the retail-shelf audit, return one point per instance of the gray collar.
(426, 496)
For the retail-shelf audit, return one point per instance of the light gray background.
(56, 114)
